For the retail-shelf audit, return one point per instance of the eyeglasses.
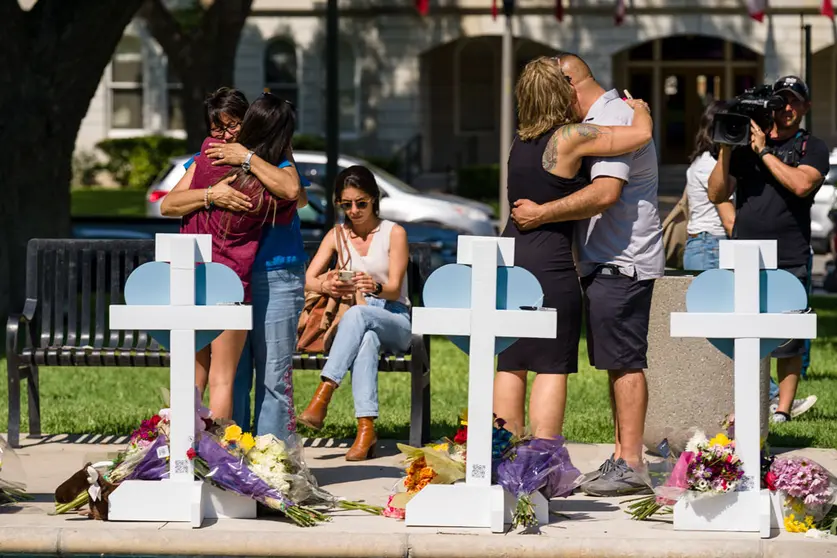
(220, 130)
(347, 205)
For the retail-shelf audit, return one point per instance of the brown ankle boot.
(364, 446)
(314, 415)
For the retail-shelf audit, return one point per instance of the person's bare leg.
(789, 371)
(547, 404)
(631, 397)
(617, 447)
(202, 362)
(510, 399)
(226, 350)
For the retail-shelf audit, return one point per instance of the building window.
(280, 69)
(126, 85)
(478, 85)
(174, 111)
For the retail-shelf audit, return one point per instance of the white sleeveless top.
(376, 260)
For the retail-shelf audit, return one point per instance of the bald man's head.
(575, 68)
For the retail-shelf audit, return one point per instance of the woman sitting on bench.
(378, 252)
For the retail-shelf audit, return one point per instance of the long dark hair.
(703, 138)
(360, 177)
(267, 130)
(225, 100)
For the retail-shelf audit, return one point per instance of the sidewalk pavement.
(595, 528)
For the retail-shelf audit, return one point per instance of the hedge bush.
(479, 182)
(135, 162)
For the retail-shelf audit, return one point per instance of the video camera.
(731, 125)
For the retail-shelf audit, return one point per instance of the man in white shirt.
(620, 254)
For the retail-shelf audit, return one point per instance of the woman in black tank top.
(545, 164)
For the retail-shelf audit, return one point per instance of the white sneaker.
(779, 417)
(800, 406)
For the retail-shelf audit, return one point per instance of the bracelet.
(206, 199)
(209, 197)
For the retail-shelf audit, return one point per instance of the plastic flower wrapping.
(536, 464)
(12, 475)
(808, 492)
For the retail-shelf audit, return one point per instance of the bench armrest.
(13, 327)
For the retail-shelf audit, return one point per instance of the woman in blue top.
(278, 274)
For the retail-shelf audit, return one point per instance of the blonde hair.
(545, 98)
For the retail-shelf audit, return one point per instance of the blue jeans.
(361, 335)
(701, 252)
(278, 297)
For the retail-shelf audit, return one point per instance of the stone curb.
(62, 542)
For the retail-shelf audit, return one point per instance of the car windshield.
(394, 180)
(831, 177)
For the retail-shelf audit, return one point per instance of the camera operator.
(775, 182)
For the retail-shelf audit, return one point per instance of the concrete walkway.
(595, 528)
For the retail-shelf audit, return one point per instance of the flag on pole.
(827, 8)
(423, 6)
(756, 9)
(559, 10)
(619, 15)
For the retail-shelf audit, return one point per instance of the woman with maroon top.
(266, 131)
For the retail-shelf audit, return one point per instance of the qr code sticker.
(162, 452)
(478, 471)
(181, 466)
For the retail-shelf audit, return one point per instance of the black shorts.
(795, 347)
(617, 309)
(551, 356)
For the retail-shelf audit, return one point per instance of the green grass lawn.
(114, 400)
(107, 202)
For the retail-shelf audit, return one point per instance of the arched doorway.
(460, 94)
(679, 76)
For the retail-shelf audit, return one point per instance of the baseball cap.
(795, 85)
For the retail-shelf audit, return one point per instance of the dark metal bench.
(64, 322)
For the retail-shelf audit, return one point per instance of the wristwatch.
(765, 151)
(245, 166)
(378, 288)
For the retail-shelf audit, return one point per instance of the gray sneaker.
(619, 481)
(799, 406)
(608, 464)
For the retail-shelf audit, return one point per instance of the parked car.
(442, 240)
(822, 229)
(400, 202)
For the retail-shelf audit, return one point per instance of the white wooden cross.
(180, 497)
(748, 510)
(476, 503)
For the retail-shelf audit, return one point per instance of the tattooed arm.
(583, 140)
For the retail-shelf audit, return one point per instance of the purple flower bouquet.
(230, 472)
(536, 464)
(154, 465)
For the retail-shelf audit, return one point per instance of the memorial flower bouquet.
(809, 491)
(706, 467)
(11, 491)
(536, 464)
(268, 470)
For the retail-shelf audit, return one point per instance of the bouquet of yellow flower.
(278, 473)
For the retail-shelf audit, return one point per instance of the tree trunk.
(202, 55)
(52, 60)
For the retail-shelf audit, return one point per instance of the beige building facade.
(434, 81)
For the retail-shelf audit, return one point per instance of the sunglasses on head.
(347, 205)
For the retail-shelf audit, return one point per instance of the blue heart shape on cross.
(714, 291)
(450, 287)
(148, 285)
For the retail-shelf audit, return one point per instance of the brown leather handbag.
(321, 313)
